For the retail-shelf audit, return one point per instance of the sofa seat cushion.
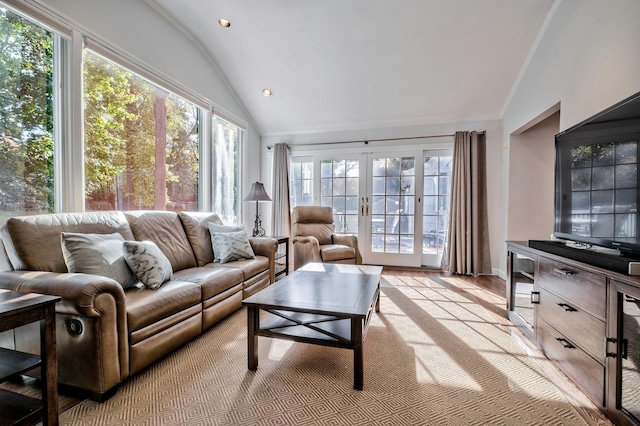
(249, 267)
(146, 306)
(212, 281)
(333, 252)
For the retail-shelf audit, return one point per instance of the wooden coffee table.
(323, 304)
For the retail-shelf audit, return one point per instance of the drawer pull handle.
(565, 343)
(567, 308)
(564, 272)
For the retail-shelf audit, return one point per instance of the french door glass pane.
(393, 204)
(435, 208)
(26, 117)
(339, 186)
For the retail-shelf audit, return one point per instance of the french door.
(397, 203)
(391, 210)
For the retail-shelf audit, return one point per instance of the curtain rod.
(373, 140)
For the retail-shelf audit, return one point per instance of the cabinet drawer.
(583, 289)
(584, 329)
(585, 371)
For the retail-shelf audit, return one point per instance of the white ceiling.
(338, 65)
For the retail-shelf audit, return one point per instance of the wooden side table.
(18, 309)
(282, 267)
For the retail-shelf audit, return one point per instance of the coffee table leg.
(358, 356)
(252, 339)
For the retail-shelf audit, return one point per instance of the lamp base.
(258, 231)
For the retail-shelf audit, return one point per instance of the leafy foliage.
(26, 115)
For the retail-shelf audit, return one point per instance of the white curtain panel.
(467, 247)
(281, 216)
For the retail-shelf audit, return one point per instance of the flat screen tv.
(597, 180)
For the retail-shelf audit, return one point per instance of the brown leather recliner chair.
(313, 238)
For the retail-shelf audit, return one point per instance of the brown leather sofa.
(314, 240)
(105, 333)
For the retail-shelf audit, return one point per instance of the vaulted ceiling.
(359, 64)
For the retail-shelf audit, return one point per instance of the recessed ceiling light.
(267, 92)
(224, 22)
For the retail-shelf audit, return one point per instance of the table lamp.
(257, 193)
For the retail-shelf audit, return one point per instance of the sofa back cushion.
(196, 226)
(165, 229)
(33, 242)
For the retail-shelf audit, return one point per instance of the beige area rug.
(433, 356)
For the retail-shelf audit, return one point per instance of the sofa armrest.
(97, 357)
(79, 292)
(305, 249)
(264, 246)
(348, 240)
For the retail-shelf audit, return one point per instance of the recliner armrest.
(305, 249)
(348, 240)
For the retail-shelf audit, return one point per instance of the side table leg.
(49, 367)
(252, 339)
(358, 356)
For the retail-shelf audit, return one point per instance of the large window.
(226, 170)
(26, 117)
(141, 142)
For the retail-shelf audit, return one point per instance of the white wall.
(136, 29)
(588, 59)
(530, 199)
(494, 160)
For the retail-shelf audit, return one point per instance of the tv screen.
(598, 181)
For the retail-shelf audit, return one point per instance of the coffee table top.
(322, 288)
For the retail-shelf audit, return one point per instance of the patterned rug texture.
(438, 353)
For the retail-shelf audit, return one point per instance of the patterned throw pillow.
(215, 228)
(148, 262)
(232, 246)
(97, 254)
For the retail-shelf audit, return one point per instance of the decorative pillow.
(215, 228)
(232, 246)
(98, 254)
(148, 262)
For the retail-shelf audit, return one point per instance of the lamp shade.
(257, 193)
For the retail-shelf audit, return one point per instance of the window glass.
(225, 170)
(301, 181)
(435, 214)
(141, 142)
(339, 181)
(26, 117)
